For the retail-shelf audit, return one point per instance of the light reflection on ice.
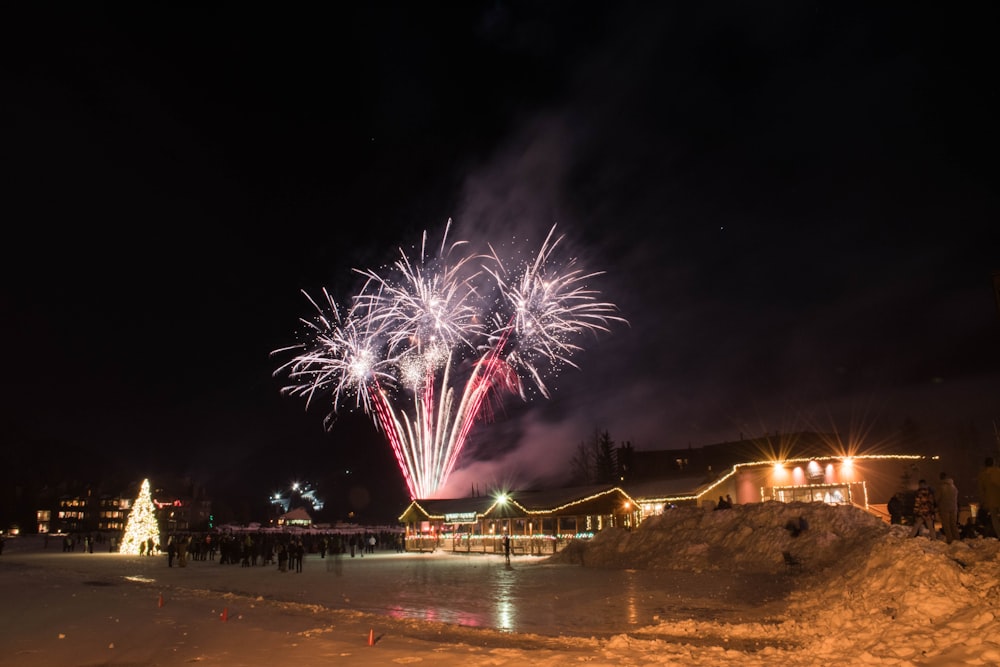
(631, 598)
(529, 595)
(505, 611)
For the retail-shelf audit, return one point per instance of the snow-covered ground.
(692, 587)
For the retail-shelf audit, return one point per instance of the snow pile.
(866, 591)
(910, 599)
(747, 537)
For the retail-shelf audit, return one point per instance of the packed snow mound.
(912, 578)
(865, 590)
(750, 538)
(910, 601)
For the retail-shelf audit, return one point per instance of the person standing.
(895, 508)
(182, 552)
(300, 554)
(282, 557)
(924, 511)
(947, 501)
(989, 493)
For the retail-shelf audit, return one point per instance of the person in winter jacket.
(947, 502)
(924, 511)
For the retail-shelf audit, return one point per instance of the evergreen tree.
(605, 469)
(582, 465)
(594, 461)
(142, 523)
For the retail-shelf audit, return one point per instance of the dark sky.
(795, 205)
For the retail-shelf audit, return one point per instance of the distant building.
(803, 466)
(297, 517)
(91, 512)
(181, 515)
(795, 467)
(537, 522)
(87, 513)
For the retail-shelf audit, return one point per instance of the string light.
(142, 523)
(849, 460)
(505, 499)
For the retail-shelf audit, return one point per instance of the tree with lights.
(142, 523)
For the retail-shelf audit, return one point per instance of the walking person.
(989, 493)
(947, 501)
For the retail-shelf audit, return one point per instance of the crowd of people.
(87, 542)
(931, 506)
(285, 550)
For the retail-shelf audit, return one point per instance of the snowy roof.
(653, 464)
(602, 499)
(297, 514)
(650, 490)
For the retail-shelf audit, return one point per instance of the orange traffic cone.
(371, 637)
(160, 603)
(225, 614)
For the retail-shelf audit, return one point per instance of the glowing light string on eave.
(715, 484)
(511, 500)
(565, 506)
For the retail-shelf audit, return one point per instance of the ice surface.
(692, 587)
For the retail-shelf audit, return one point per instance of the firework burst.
(429, 343)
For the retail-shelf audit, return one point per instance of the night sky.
(795, 206)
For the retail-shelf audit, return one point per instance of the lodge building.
(802, 467)
(538, 522)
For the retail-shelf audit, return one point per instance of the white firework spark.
(426, 344)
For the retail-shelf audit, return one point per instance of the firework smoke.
(428, 345)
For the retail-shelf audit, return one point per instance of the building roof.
(297, 514)
(552, 502)
(717, 458)
(674, 488)
(441, 509)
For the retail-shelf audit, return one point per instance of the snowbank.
(866, 592)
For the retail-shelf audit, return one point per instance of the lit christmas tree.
(142, 523)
